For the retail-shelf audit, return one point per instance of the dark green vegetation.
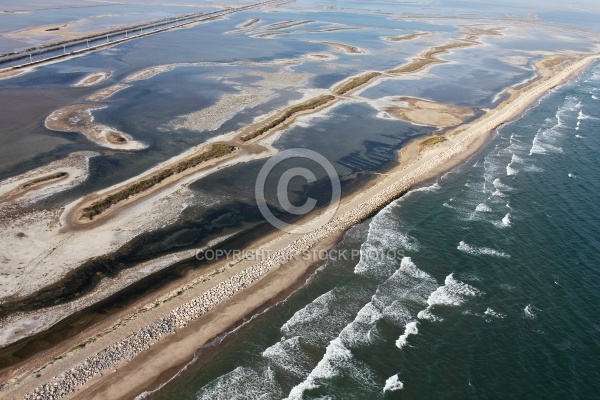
(432, 141)
(429, 57)
(99, 206)
(116, 138)
(287, 114)
(41, 179)
(355, 82)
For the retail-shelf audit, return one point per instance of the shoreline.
(461, 145)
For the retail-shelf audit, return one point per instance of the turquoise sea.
(481, 285)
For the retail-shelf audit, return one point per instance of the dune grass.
(287, 114)
(432, 141)
(429, 57)
(41, 179)
(99, 206)
(355, 82)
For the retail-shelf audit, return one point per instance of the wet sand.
(426, 112)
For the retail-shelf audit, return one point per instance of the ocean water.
(482, 284)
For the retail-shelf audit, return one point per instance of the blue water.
(480, 285)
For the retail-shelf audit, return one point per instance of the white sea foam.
(572, 175)
(506, 220)
(531, 311)
(477, 251)
(392, 384)
(536, 147)
(426, 314)
(336, 351)
(408, 283)
(482, 207)
(359, 331)
(338, 359)
(540, 147)
(411, 329)
(452, 293)
(533, 168)
(492, 313)
(595, 97)
(288, 355)
(322, 320)
(241, 383)
(501, 186)
(385, 232)
(511, 168)
(406, 287)
(318, 307)
(585, 116)
(397, 313)
(431, 188)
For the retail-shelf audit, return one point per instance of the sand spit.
(286, 24)
(344, 48)
(105, 93)
(249, 23)
(272, 30)
(427, 112)
(415, 167)
(47, 180)
(429, 57)
(474, 32)
(250, 27)
(405, 38)
(78, 118)
(148, 73)
(285, 118)
(92, 79)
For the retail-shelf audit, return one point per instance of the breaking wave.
(392, 384)
(477, 251)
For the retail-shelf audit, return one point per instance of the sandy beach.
(242, 286)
